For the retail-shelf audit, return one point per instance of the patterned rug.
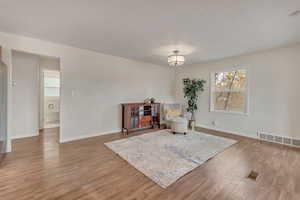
(164, 157)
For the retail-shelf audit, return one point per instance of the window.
(229, 92)
(51, 87)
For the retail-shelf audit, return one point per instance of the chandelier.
(175, 59)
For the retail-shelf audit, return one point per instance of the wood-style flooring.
(39, 168)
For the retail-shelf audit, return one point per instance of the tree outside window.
(229, 91)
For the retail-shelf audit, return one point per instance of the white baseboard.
(19, 136)
(84, 136)
(227, 131)
(8, 146)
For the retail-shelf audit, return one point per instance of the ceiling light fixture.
(176, 59)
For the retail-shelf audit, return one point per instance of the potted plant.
(192, 89)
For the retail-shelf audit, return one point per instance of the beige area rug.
(164, 157)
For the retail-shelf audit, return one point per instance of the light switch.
(73, 92)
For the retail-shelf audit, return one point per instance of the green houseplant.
(192, 89)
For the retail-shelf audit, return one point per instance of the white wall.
(25, 95)
(49, 63)
(274, 86)
(98, 82)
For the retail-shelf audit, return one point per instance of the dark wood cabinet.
(137, 116)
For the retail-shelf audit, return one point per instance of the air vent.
(262, 136)
(270, 137)
(296, 142)
(287, 141)
(278, 139)
(253, 175)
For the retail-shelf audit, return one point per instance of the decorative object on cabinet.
(148, 100)
(152, 100)
(137, 116)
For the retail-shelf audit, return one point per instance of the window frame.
(247, 94)
(57, 87)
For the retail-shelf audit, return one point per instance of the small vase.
(192, 124)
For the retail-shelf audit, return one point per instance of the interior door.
(3, 109)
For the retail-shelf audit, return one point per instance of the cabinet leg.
(125, 131)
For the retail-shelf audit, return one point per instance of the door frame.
(7, 60)
(4, 107)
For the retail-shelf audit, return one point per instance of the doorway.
(51, 99)
(35, 98)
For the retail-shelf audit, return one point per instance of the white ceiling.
(149, 30)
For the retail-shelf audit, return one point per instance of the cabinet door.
(127, 116)
(156, 114)
(134, 115)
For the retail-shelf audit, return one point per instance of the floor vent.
(253, 175)
(278, 139)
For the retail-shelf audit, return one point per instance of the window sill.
(230, 112)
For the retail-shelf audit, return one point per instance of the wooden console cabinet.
(137, 116)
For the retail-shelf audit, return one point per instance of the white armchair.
(173, 115)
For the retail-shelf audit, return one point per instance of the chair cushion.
(171, 113)
(179, 125)
(178, 120)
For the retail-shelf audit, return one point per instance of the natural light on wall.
(229, 92)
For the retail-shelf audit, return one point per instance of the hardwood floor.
(40, 168)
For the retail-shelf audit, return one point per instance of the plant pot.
(191, 124)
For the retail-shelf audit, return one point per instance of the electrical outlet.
(214, 123)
